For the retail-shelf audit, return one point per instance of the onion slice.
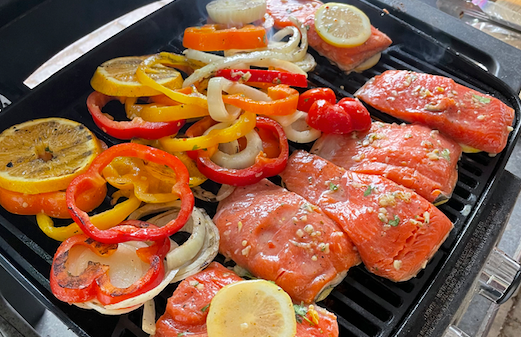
(242, 159)
(205, 195)
(236, 11)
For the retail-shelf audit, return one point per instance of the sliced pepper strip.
(196, 177)
(151, 182)
(263, 167)
(125, 232)
(172, 60)
(136, 128)
(241, 127)
(274, 77)
(104, 220)
(212, 37)
(285, 101)
(52, 203)
(164, 109)
(94, 282)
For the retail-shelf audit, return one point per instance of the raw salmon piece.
(347, 59)
(186, 310)
(395, 230)
(471, 118)
(279, 236)
(281, 10)
(411, 155)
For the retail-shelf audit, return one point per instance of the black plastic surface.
(366, 305)
(33, 31)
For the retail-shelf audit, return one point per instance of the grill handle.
(499, 277)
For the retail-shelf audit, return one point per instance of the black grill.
(366, 305)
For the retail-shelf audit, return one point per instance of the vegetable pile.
(225, 110)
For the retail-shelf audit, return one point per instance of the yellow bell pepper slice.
(104, 220)
(173, 60)
(240, 128)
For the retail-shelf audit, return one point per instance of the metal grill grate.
(365, 304)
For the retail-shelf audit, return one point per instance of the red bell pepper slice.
(264, 76)
(136, 128)
(263, 167)
(94, 282)
(126, 231)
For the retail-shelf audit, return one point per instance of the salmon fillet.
(395, 230)
(411, 155)
(279, 236)
(347, 59)
(469, 117)
(187, 308)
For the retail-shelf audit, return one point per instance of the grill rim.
(71, 73)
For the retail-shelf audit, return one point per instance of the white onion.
(206, 254)
(205, 195)
(149, 317)
(285, 47)
(95, 305)
(125, 266)
(265, 58)
(236, 11)
(142, 298)
(242, 159)
(216, 107)
(288, 119)
(300, 132)
(201, 56)
(307, 64)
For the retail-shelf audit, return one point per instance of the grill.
(365, 304)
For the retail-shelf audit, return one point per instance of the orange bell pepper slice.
(213, 38)
(284, 101)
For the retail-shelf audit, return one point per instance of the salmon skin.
(409, 154)
(279, 236)
(395, 230)
(187, 308)
(475, 120)
(348, 59)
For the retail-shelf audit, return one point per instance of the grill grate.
(366, 305)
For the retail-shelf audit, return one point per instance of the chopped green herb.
(306, 99)
(195, 147)
(47, 149)
(368, 191)
(310, 180)
(395, 221)
(300, 313)
(205, 307)
(181, 334)
(445, 153)
(333, 187)
(481, 99)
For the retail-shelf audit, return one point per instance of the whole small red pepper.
(263, 167)
(136, 128)
(94, 282)
(126, 231)
(264, 76)
(346, 116)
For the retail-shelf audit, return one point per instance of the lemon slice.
(44, 155)
(342, 25)
(251, 308)
(117, 77)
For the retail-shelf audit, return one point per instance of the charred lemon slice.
(44, 155)
(117, 77)
(342, 25)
